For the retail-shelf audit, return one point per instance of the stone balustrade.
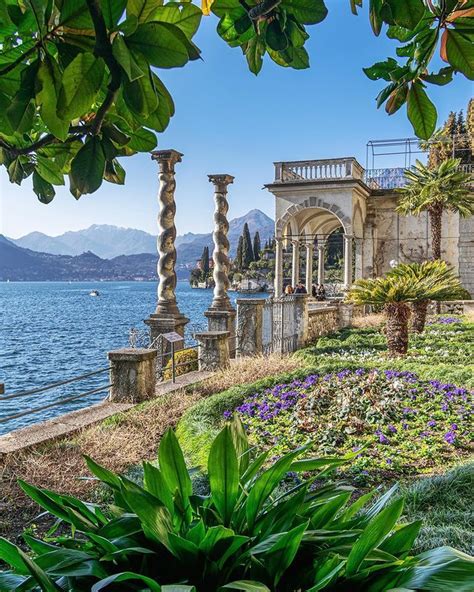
(314, 170)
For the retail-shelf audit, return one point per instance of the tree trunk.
(398, 314)
(419, 315)
(436, 213)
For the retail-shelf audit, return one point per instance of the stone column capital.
(221, 180)
(166, 159)
(295, 242)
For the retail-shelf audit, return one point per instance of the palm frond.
(445, 185)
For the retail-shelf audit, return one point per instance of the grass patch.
(444, 503)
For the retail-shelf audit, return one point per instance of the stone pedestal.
(250, 326)
(132, 375)
(159, 324)
(213, 351)
(301, 318)
(345, 315)
(223, 320)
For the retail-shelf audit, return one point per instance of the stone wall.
(322, 321)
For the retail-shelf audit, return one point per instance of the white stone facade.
(315, 198)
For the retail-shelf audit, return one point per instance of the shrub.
(162, 537)
(186, 360)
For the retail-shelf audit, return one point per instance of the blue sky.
(229, 121)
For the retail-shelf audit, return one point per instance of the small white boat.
(94, 293)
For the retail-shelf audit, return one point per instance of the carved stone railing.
(314, 170)
(393, 178)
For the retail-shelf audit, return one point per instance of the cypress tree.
(247, 252)
(257, 247)
(238, 257)
(461, 142)
(205, 262)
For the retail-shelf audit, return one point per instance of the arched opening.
(313, 246)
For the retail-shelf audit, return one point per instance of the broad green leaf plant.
(79, 82)
(247, 533)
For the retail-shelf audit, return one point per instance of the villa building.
(314, 198)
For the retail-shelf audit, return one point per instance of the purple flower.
(392, 428)
(405, 426)
(383, 439)
(389, 461)
(227, 414)
(450, 437)
(431, 423)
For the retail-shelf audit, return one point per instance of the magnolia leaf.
(126, 59)
(49, 77)
(164, 45)
(49, 170)
(307, 12)
(460, 52)
(112, 11)
(254, 53)
(82, 80)
(87, 168)
(185, 16)
(421, 111)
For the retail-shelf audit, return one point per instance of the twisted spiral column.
(167, 231)
(221, 243)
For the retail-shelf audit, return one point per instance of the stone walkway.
(67, 424)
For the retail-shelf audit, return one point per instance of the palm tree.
(394, 293)
(436, 190)
(438, 282)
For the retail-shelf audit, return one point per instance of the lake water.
(51, 331)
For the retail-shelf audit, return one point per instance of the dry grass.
(117, 443)
(469, 316)
(369, 321)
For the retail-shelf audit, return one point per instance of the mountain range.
(104, 252)
(108, 241)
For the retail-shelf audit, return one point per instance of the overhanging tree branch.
(103, 49)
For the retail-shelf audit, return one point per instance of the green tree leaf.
(163, 45)
(307, 12)
(82, 80)
(49, 170)
(44, 190)
(49, 78)
(140, 95)
(254, 53)
(142, 10)
(112, 10)
(114, 172)
(275, 37)
(87, 168)
(186, 16)
(406, 14)
(126, 59)
(421, 111)
(460, 52)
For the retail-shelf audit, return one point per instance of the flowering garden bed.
(405, 425)
(338, 402)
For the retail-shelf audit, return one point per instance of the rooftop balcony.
(334, 169)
